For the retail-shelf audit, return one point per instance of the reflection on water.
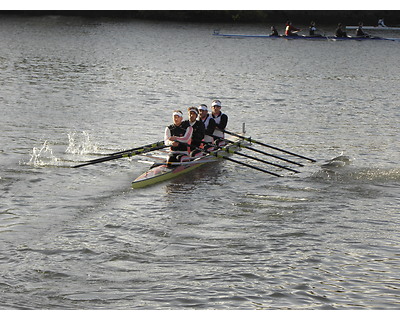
(197, 180)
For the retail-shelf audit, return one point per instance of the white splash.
(42, 156)
(80, 144)
(337, 162)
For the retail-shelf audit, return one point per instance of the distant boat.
(300, 37)
(376, 28)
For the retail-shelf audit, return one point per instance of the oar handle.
(269, 146)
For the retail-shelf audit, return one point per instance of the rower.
(340, 33)
(313, 29)
(177, 135)
(274, 32)
(198, 131)
(290, 30)
(360, 32)
(381, 23)
(209, 123)
(221, 119)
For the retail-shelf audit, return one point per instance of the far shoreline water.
(348, 17)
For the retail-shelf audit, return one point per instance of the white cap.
(216, 103)
(193, 109)
(203, 107)
(178, 113)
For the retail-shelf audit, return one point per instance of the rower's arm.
(211, 127)
(223, 122)
(188, 135)
(167, 135)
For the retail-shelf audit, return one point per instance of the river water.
(225, 236)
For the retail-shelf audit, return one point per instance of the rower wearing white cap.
(177, 135)
(198, 128)
(381, 23)
(209, 123)
(221, 119)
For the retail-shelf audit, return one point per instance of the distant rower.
(381, 23)
(313, 30)
(360, 32)
(340, 31)
(274, 32)
(290, 30)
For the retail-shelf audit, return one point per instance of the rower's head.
(216, 106)
(177, 117)
(203, 111)
(193, 113)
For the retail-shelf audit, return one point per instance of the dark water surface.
(224, 237)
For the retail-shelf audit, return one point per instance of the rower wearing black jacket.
(340, 33)
(221, 119)
(360, 32)
(313, 29)
(274, 32)
(177, 136)
(198, 128)
(209, 123)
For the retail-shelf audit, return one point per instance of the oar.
(259, 151)
(121, 155)
(227, 149)
(269, 146)
(151, 145)
(218, 155)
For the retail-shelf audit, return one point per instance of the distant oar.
(121, 155)
(260, 151)
(269, 146)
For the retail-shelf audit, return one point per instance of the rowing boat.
(166, 171)
(376, 28)
(301, 37)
